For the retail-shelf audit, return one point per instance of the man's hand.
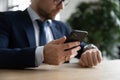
(90, 57)
(57, 52)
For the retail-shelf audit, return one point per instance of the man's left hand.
(90, 57)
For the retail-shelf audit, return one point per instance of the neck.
(38, 12)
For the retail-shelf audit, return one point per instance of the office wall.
(13, 4)
(3, 5)
(70, 8)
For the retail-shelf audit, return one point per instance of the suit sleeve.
(17, 58)
(13, 57)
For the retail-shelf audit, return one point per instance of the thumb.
(60, 40)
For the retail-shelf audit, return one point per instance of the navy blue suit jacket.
(17, 39)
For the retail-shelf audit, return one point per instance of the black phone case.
(76, 35)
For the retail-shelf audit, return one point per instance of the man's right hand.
(55, 52)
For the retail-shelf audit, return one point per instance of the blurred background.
(101, 18)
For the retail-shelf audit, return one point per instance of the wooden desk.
(107, 70)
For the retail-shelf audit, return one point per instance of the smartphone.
(76, 35)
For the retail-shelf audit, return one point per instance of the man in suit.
(20, 45)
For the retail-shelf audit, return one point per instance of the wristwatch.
(89, 46)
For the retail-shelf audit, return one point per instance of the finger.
(84, 59)
(99, 56)
(95, 60)
(67, 58)
(89, 59)
(71, 45)
(62, 59)
(73, 55)
(72, 51)
(81, 63)
(60, 40)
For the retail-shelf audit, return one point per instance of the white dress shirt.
(39, 55)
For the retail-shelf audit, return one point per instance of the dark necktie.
(42, 35)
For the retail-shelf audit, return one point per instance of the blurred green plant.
(102, 21)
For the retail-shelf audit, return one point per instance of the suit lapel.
(56, 31)
(29, 29)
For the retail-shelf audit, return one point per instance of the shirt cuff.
(39, 55)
